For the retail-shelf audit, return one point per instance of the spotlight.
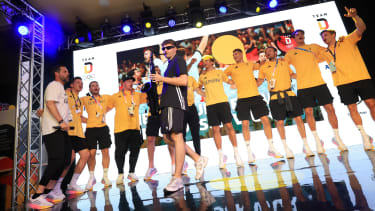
(171, 16)
(221, 7)
(251, 7)
(196, 14)
(127, 25)
(147, 21)
(272, 4)
(21, 24)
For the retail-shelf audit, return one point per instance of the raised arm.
(359, 23)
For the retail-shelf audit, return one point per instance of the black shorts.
(98, 135)
(219, 113)
(279, 111)
(78, 143)
(349, 92)
(171, 120)
(256, 105)
(153, 125)
(314, 96)
(129, 139)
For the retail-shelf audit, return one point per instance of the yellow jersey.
(243, 76)
(281, 73)
(96, 109)
(213, 84)
(75, 106)
(304, 60)
(192, 84)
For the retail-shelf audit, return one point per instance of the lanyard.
(302, 49)
(97, 102)
(76, 100)
(334, 52)
(126, 102)
(274, 69)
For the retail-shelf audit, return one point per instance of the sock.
(105, 172)
(270, 143)
(75, 178)
(235, 150)
(247, 143)
(315, 134)
(58, 183)
(221, 154)
(363, 133)
(91, 174)
(284, 143)
(304, 140)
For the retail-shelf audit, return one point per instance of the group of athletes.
(62, 117)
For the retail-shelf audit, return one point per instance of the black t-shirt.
(174, 96)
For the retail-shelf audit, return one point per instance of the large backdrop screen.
(106, 64)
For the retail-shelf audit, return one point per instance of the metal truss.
(28, 140)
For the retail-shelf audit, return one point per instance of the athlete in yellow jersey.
(127, 128)
(312, 89)
(218, 109)
(97, 131)
(249, 100)
(77, 137)
(349, 72)
(283, 102)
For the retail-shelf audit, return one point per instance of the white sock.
(58, 183)
(75, 178)
(235, 150)
(270, 142)
(337, 135)
(91, 174)
(221, 154)
(363, 133)
(315, 134)
(304, 140)
(105, 172)
(284, 143)
(247, 143)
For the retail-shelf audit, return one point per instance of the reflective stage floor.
(334, 181)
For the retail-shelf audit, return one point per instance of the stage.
(332, 181)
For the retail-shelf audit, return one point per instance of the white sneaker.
(340, 145)
(74, 188)
(175, 185)
(56, 195)
(132, 177)
(120, 179)
(106, 182)
(278, 165)
(40, 202)
(222, 161)
(320, 147)
(199, 166)
(308, 152)
(238, 159)
(250, 156)
(274, 153)
(150, 172)
(90, 184)
(288, 153)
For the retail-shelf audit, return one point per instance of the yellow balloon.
(223, 46)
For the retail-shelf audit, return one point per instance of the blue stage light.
(126, 28)
(223, 9)
(272, 4)
(171, 22)
(23, 30)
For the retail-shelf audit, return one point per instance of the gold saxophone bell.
(223, 46)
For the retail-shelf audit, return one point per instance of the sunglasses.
(167, 47)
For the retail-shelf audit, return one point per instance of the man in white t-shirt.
(55, 128)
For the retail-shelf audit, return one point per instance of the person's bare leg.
(268, 132)
(151, 150)
(310, 119)
(217, 139)
(233, 139)
(356, 117)
(281, 130)
(302, 131)
(246, 136)
(332, 118)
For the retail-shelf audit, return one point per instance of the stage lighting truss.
(28, 139)
(235, 9)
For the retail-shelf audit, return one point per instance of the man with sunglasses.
(173, 103)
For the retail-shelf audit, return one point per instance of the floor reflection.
(331, 181)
